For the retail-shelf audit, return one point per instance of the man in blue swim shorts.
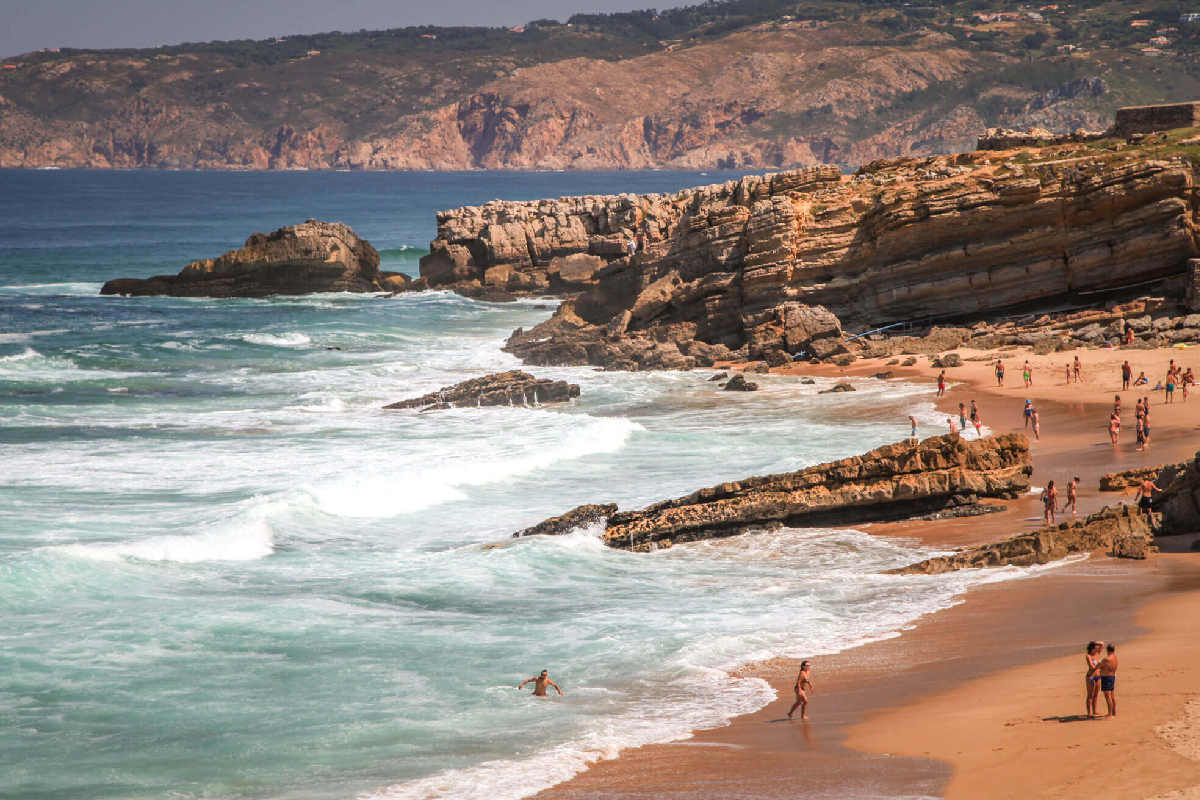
(1108, 680)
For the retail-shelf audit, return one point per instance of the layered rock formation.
(299, 259)
(769, 265)
(513, 388)
(1115, 528)
(892, 482)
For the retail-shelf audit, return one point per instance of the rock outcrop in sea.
(897, 481)
(771, 267)
(299, 259)
(513, 388)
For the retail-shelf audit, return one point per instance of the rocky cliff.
(892, 482)
(768, 264)
(299, 259)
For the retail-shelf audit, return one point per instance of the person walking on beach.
(975, 420)
(1169, 394)
(999, 372)
(540, 683)
(1107, 670)
(1187, 380)
(1027, 374)
(1037, 428)
(802, 680)
(1126, 376)
(912, 421)
(1050, 499)
(1078, 366)
(1114, 428)
(1072, 496)
(1028, 413)
(1091, 677)
(942, 384)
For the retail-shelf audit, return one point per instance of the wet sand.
(927, 712)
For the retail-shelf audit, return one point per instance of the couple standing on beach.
(1101, 676)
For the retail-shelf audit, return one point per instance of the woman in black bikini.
(801, 695)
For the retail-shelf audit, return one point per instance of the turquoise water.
(226, 572)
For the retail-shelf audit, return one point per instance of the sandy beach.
(984, 699)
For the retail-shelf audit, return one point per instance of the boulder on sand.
(299, 259)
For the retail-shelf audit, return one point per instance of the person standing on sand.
(1091, 679)
(1072, 496)
(1037, 428)
(942, 384)
(539, 684)
(962, 417)
(913, 421)
(1050, 499)
(1028, 413)
(1145, 496)
(1126, 376)
(999, 372)
(1187, 380)
(1169, 394)
(1078, 366)
(1107, 670)
(1146, 419)
(802, 680)
(1114, 428)
(1027, 374)
(1068, 374)
(975, 420)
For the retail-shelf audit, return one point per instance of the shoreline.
(761, 755)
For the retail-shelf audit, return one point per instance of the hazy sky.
(27, 25)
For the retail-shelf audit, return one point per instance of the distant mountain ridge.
(754, 84)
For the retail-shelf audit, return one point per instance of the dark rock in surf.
(513, 388)
(738, 383)
(578, 517)
(838, 389)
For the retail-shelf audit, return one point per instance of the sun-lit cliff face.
(778, 94)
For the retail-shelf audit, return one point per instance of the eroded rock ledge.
(1114, 528)
(299, 259)
(514, 388)
(724, 268)
(896, 481)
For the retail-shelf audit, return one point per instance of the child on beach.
(913, 421)
(1141, 380)
(953, 425)
(1068, 374)
(1037, 428)
(1050, 499)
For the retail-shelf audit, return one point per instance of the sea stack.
(298, 259)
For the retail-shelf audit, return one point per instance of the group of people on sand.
(1142, 416)
(961, 423)
(1101, 676)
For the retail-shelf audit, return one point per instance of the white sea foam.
(245, 541)
(77, 289)
(291, 339)
(411, 490)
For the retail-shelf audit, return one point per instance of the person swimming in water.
(539, 684)
(801, 696)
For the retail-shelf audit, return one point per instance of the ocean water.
(226, 572)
